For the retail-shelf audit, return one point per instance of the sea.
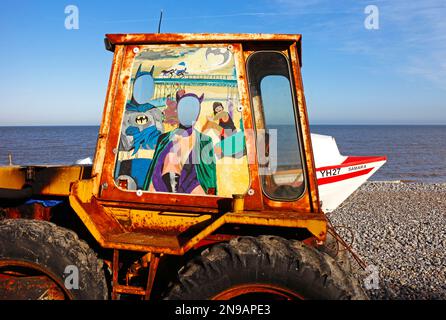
(414, 153)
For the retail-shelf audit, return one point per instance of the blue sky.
(352, 75)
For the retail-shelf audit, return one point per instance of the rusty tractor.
(203, 184)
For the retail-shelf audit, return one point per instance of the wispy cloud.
(411, 38)
(422, 30)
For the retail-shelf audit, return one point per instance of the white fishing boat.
(338, 176)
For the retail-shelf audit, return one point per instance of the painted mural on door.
(182, 129)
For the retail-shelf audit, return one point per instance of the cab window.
(279, 152)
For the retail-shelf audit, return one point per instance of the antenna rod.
(161, 19)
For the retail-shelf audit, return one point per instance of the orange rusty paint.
(41, 212)
(25, 288)
(35, 211)
(153, 268)
(254, 199)
(160, 207)
(263, 290)
(115, 274)
(12, 177)
(18, 280)
(107, 183)
(161, 221)
(164, 38)
(119, 289)
(13, 213)
(305, 131)
(51, 180)
(213, 239)
(113, 234)
(152, 259)
(106, 119)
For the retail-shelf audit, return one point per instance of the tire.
(337, 252)
(51, 248)
(288, 267)
(342, 258)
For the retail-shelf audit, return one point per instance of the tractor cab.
(191, 125)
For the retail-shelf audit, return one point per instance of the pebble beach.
(400, 228)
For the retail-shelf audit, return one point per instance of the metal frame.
(296, 122)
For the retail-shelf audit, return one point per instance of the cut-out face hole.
(188, 110)
(143, 89)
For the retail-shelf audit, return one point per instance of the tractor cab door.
(276, 96)
(278, 144)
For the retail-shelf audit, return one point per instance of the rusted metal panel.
(97, 221)
(35, 212)
(115, 119)
(160, 221)
(153, 268)
(44, 180)
(253, 199)
(315, 224)
(177, 239)
(20, 280)
(218, 208)
(12, 177)
(200, 38)
(305, 130)
(115, 274)
(152, 260)
(107, 116)
(57, 180)
(32, 287)
(119, 289)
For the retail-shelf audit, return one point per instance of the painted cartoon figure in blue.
(142, 125)
(142, 118)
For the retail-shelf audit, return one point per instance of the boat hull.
(338, 176)
(337, 182)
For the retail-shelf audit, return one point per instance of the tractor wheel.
(39, 260)
(266, 267)
(342, 257)
(337, 252)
